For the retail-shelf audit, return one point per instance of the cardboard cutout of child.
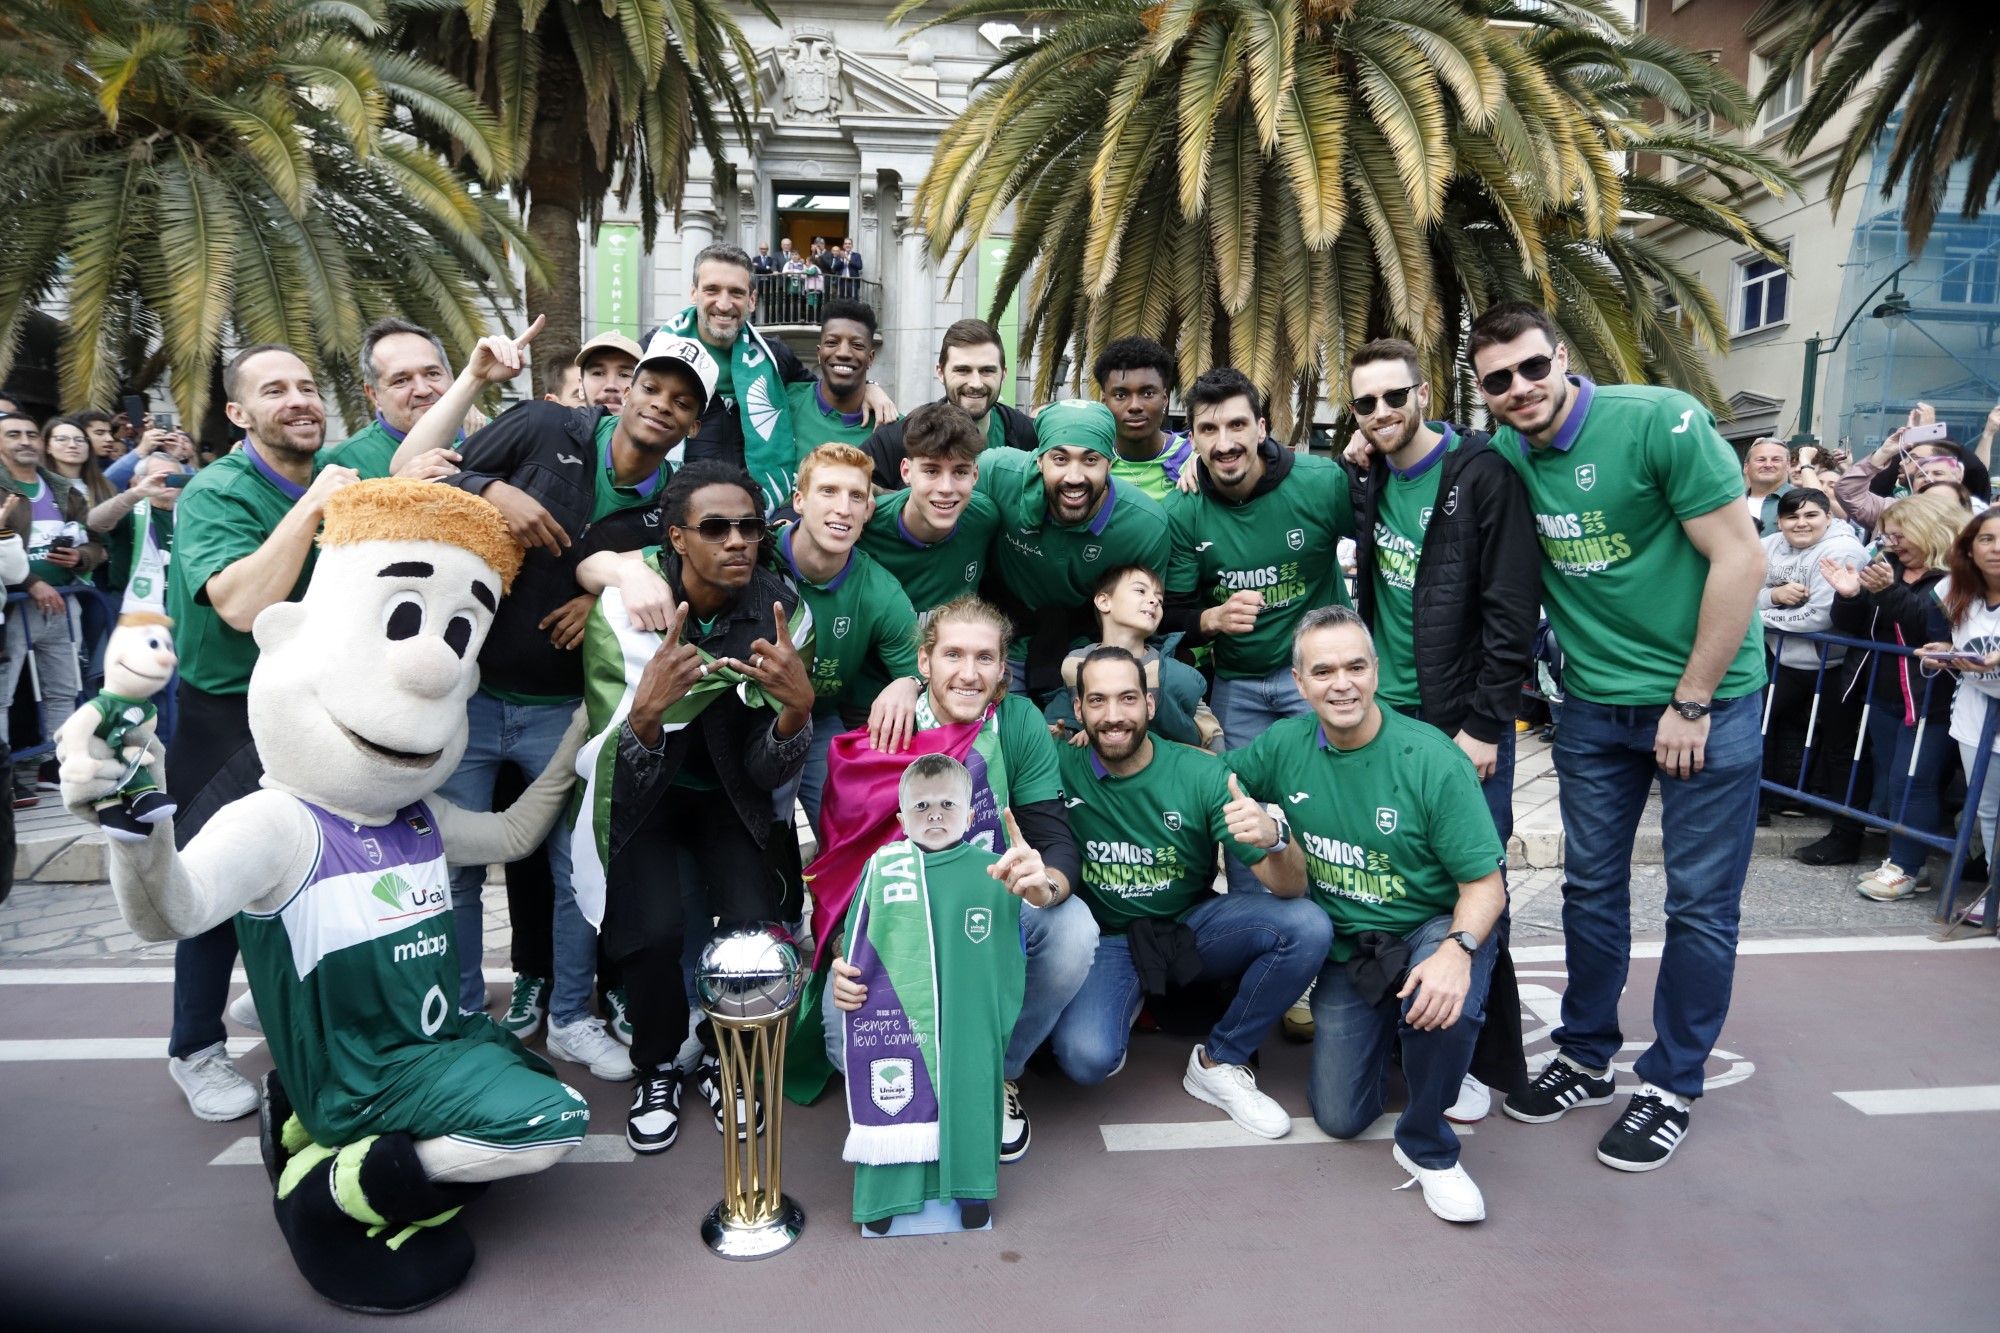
(929, 992)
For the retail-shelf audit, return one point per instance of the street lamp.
(1894, 309)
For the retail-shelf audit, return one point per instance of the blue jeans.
(1351, 1053)
(525, 735)
(1275, 945)
(1246, 708)
(1604, 760)
(1061, 941)
(1892, 743)
(811, 781)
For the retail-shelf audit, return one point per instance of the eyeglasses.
(718, 529)
(1535, 369)
(1364, 406)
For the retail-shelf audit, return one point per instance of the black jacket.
(720, 434)
(1478, 589)
(1902, 613)
(550, 452)
(885, 446)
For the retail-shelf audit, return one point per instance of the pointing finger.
(528, 334)
(1014, 837)
(783, 621)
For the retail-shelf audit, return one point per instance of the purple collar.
(644, 489)
(289, 488)
(846, 418)
(785, 549)
(1429, 460)
(903, 529)
(1097, 768)
(1572, 426)
(383, 423)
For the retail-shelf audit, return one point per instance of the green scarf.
(768, 452)
(615, 654)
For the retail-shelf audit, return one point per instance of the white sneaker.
(215, 1091)
(1889, 883)
(1475, 1099)
(585, 1042)
(1297, 1023)
(1449, 1192)
(1234, 1089)
(243, 1012)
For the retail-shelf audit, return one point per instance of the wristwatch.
(1284, 837)
(1692, 711)
(1464, 940)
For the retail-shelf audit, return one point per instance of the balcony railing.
(798, 298)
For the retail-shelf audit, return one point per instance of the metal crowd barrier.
(798, 298)
(1955, 844)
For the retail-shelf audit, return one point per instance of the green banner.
(993, 258)
(614, 303)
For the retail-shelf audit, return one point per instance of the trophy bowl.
(750, 973)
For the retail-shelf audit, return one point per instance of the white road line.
(595, 1148)
(1223, 1133)
(1553, 953)
(103, 1048)
(109, 976)
(1924, 1101)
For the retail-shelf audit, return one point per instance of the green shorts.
(482, 1087)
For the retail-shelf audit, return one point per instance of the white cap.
(688, 352)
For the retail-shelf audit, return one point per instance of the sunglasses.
(1364, 406)
(1535, 369)
(718, 529)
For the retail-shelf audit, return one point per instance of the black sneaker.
(655, 1118)
(1559, 1088)
(708, 1081)
(1014, 1129)
(1837, 848)
(1646, 1135)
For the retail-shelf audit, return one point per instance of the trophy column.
(749, 981)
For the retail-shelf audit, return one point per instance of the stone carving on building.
(811, 67)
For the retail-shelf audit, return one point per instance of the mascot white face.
(357, 701)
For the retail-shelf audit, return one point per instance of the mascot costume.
(388, 1109)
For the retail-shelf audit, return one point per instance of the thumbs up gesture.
(1249, 823)
(1021, 868)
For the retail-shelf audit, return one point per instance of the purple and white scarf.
(892, 1041)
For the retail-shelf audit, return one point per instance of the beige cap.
(603, 342)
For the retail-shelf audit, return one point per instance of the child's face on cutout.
(935, 812)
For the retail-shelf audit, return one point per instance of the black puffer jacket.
(1905, 614)
(1477, 594)
(550, 452)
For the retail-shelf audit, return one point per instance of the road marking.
(1553, 953)
(595, 1148)
(103, 1048)
(111, 976)
(1924, 1101)
(1173, 1135)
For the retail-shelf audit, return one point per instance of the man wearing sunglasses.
(1650, 574)
(570, 481)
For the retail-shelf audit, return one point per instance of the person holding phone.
(1971, 597)
(138, 530)
(1916, 457)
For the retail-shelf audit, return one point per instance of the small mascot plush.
(138, 662)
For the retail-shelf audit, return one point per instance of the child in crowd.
(1797, 599)
(1129, 603)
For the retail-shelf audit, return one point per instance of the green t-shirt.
(1046, 564)
(608, 496)
(225, 514)
(1389, 831)
(931, 575)
(1284, 543)
(996, 429)
(864, 632)
(1401, 519)
(1148, 840)
(368, 451)
(1620, 579)
(1156, 476)
(45, 524)
(814, 422)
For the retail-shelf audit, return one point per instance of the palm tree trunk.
(555, 205)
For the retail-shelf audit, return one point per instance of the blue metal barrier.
(1955, 844)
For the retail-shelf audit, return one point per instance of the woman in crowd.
(1797, 599)
(66, 446)
(1893, 600)
(69, 455)
(1971, 598)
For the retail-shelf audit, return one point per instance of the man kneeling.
(1394, 839)
(1148, 814)
(388, 1109)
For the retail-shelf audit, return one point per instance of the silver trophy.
(749, 981)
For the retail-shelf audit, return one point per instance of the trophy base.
(757, 1240)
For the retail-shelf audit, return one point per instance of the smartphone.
(135, 412)
(1930, 434)
(179, 479)
(1963, 661)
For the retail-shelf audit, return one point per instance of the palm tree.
(180, 171)
(1269, 183)
(1943, 72)
(602, 95)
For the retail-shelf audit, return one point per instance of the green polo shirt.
(931, 574)
(1401, 519)
(1284, 543)
(368, 451)
(227, 512)
(608, 497)
(1620, 579)
(1148, 839)
(1046, 564)
(816, 422)
(864, 632)
(1389, 831)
